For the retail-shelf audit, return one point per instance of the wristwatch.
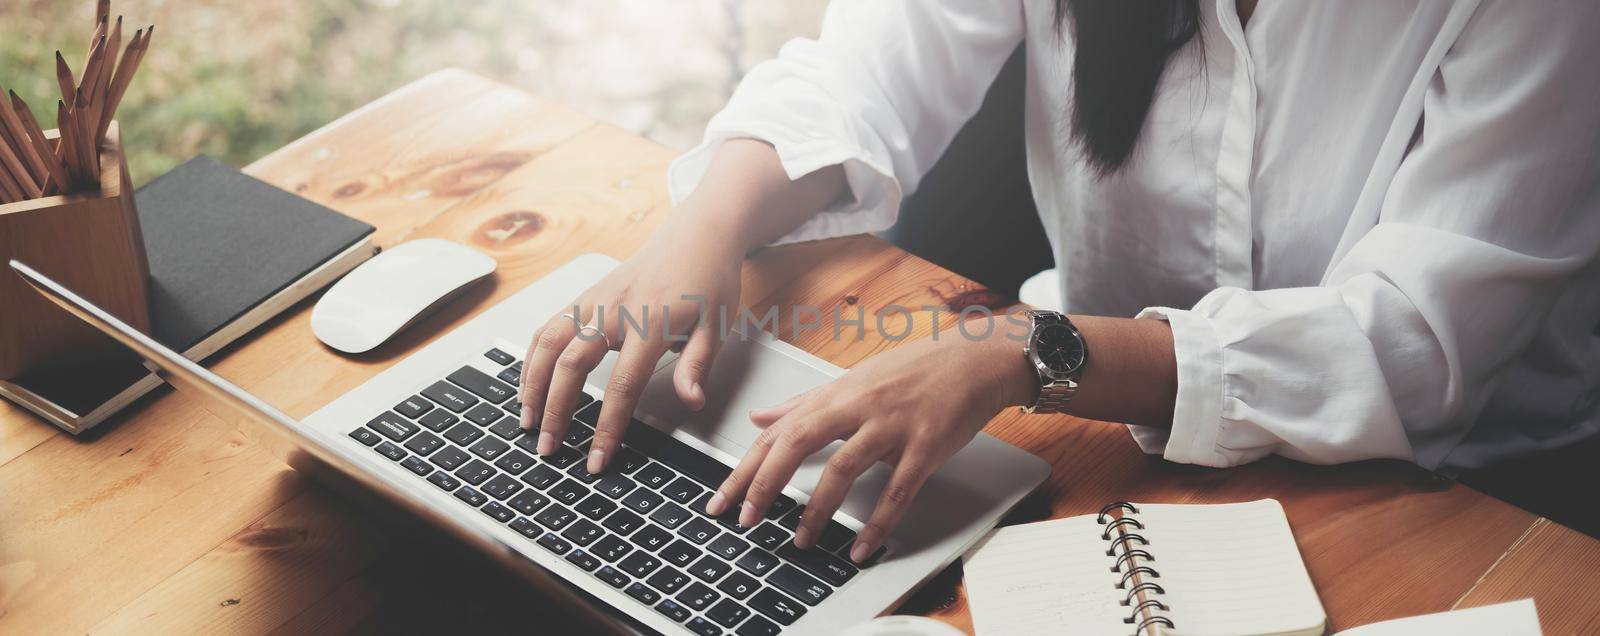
(1057, 353)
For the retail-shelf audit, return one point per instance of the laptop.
(436, 434)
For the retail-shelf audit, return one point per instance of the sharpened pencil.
(58, 181)
(21, 143)
(64, 79)
(124, 77)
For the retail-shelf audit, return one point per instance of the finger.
(634, 367)
(694, 366)
(795, 443)
(908, 478)
(539, 365)
(765, 416)
(581, 356)
(844, 467)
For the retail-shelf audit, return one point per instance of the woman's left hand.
(912, 407)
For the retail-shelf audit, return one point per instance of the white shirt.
(1372, 226)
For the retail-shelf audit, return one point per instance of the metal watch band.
(1053, 398)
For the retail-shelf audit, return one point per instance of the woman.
(1346, 230)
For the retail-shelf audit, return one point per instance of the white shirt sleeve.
(882, 92)
(1492, 215)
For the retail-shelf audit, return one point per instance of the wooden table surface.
(169, 520)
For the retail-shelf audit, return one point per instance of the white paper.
(1514, 618)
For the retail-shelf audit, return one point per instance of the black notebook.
(227, 252)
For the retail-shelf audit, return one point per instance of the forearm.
(747, 197)
(1131, 375)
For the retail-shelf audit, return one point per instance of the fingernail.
(860, 552)
(715, 505)
(547, 443)
(527, 418)
(699, 395)
(748, 515)
(597, 461)
(802, 538)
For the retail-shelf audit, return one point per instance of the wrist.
(1013, 381)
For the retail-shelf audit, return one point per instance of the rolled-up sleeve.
(881, 92)
(1492, 219)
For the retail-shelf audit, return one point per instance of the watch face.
(1058, 348)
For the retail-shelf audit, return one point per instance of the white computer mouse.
(394, 289)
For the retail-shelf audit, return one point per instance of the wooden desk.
(172, 521)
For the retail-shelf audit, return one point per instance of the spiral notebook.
(1146, 569)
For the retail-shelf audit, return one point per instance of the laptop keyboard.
(640, 527)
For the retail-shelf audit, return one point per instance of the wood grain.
(173, 521)
(1555, 566)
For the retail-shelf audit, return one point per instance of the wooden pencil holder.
(88, 241)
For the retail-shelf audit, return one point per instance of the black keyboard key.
(391, 451)
(507, 428)
(596, 507)
(792, 520)
(651, 538)
(587, 413)
(392, 426)
(555, 517)
(416, 465)
(444, 481)
(424, 443)
(670, 515)
(475, 472)
(835, 536)
(799, 584)
(757, 562)
(768, 536)
(526, 528)
(728, 519)
(514, 407)
(728, 546)
(583, 560)
(702, 627)
(780, 507)
(450, 458)
(554, 543)
(623, 522)
(413, 407)
(709, 569)
(611, 548)
(583, 532)
(540, 476)
(612, 577)
(615, 485)
(568, 492)
(501, 486)
(758, 626)
(463, 434)
(668, 580)
(577, 433)
(680, 553)
(528, 501)
(821, 564)
(483, 414)
(472, 497)
(499, 357)
(563, 457)
(449, 396)
(481, 385)
(654, 476)
(514, 462)
(639, 564)
(498, 512)
(642, 594)
(663, 448)
(627, 461)
(437, 420)
(490, 448)
(580, 471)
(510, 376)
(698, 596)
(727, 613)
(366, 436)
(642, 501)
(683, 490)
(776, 606)
(671, 609)
(739, 585)
(699, 531)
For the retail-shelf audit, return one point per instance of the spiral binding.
(1133, 563)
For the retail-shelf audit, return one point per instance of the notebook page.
(1051, 577)
(1514, 618)
(1231, 569)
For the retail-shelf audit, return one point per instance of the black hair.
(1122, 47)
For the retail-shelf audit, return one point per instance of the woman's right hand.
(686, 268)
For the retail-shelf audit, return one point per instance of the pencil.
(58, 180)
(22, 144)
(113, 44)
(86, 109)
(124, 76)
(19, 172)
(65, 80)
(102, 11)
(67, 148)
(88, 151)
(9, 192)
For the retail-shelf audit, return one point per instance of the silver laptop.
(436, 434)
